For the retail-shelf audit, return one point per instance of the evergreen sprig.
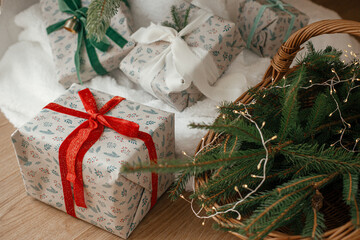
(99, 16)
(303, 164)
(179, 21)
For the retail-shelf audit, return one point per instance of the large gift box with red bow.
(70, 155)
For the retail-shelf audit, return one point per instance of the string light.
(331, 83)
(262, 163)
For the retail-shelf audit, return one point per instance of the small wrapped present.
(78, 57)
(266, 24)
(70, 155)
(178, 66)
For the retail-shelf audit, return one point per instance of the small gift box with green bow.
(71, 153)
(79, 57)
(266, 24)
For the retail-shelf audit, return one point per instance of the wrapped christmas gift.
(79, 57)
(180, 62)
(266, 24)
(70, 155)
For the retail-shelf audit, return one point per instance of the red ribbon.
(74, 147)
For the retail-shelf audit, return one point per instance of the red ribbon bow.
(74, 147)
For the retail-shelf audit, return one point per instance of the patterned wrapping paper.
(272, 27)
(115, 202)
(220, 38)
(64, 43)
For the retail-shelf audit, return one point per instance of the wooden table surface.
(23, 217)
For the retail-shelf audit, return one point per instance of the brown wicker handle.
(281, 62)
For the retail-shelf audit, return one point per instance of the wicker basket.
(339, 225)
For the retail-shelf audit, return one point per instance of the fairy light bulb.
(273, 138)
(263, 124)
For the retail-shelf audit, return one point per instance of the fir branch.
(176, 18)
(278, 207)
(290, 106)
(284, 215)
(354, 211)
(186, 18)
(240, 127)
(99, 17)
(314, 224)
(319, 112)
(194, 166)
(178, 23)
(293, 198)
(322, 161)
(179, 185)
(350, 186)
(334, 123)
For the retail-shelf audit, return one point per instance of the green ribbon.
(273, 3)
(73, 7)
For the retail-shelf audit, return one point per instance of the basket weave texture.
(340, 228)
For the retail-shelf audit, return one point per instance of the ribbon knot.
(74, 8)
(94, 116)
(75, 146)
(278, 3)
(199, 69)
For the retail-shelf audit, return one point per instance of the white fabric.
(27, 71)
(184, 64)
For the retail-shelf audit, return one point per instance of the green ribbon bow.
(272, 3)
(73, 7)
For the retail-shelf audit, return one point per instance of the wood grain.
(23, 217)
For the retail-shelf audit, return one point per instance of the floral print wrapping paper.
(219, 37)
(272, 27)
(115, 202)
(64, 43)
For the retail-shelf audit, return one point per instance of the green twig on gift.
(99, 16)
(178, 23)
